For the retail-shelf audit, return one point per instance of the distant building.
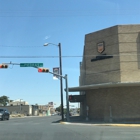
(45, 108)
(18, 102)
(23, 109)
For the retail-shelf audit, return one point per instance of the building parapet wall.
(123, 43)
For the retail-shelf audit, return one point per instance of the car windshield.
(70, 69)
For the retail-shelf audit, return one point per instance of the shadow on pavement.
(79, 119)
(58, 121)
(72, 119)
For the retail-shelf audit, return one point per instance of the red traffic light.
(43, 70)
(39, 70)
(3, 66)
(71, 97)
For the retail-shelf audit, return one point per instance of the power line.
(65, 13)
(5, 46)
(35, 56)
(67, 56)
(86, 15)
(91, 56)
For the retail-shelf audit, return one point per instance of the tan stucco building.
(110, 74)
(18, 102)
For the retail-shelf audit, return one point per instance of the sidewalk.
(78, 120)
(11, 117)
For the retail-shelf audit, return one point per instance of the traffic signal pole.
(67, 94)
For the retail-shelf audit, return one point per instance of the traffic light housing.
(77, 98)
(3, 66)
(43, 70)
(71, 98)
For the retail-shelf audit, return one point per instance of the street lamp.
(61, 82)
(20, 105)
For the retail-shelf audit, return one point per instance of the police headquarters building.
(110, 75)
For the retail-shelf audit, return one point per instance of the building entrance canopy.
(103, 85)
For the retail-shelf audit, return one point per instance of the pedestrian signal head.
(71, 97)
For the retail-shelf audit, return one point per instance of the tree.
(78, 110)
(11, 100)
(4, 100)
(58, 109)
(65, 111)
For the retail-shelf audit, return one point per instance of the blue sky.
(26, 25)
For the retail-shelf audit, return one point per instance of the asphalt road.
(46, 128)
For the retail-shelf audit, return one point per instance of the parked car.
(4, 114)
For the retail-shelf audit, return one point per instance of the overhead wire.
(35, 56)
(59, 56)
(6, 46)
(66, 13)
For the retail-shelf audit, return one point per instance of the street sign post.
(31, 65)
(56, 70)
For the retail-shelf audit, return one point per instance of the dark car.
(4, 114)
(65, 115)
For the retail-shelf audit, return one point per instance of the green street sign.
(31, 64)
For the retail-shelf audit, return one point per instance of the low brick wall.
(114, 104)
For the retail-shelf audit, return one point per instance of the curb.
(119, 125)
(64, 122)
